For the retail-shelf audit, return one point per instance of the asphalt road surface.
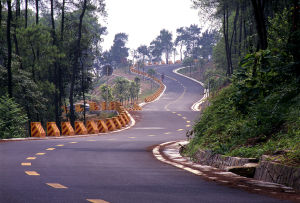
(117, 167)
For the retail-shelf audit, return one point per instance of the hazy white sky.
(142, 20)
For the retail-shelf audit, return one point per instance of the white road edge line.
(195, 106)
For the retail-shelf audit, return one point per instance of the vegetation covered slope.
(259, 112)
(249, 119)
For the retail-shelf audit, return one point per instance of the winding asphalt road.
(117, 167)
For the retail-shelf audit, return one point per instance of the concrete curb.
(195, 106)
(168, 153)
(132, 123)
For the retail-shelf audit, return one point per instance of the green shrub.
(12, 119)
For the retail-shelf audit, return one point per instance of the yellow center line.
(73, 142)
(57, 185)
(167, 133)
(180, 129)
(32, 173)
(179, 114)
(40, 153)
(132, 137)
(184, 118)
(26, 164)
(97, 201)
(60, 145)
(188, 125)
(31, 158)
(188, 121)
(151, 135)
(50, 149)
(180, 97)
(173, 112)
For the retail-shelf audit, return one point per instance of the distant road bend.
(118, 167)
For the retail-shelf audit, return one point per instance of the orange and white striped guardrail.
(122, 120)
(37, 130)
(52, 129)
(80, 129)
(67, 129)
(117, 122)
(102, 127)
(158, 92)
(110, 124)
(92, 127)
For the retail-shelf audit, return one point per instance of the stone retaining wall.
(277, 173)
(266, 171)
(221, 161)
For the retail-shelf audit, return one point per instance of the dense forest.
(257, 110)
(47, 51)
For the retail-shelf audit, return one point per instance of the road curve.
(118, 167)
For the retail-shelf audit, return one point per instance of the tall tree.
(258, 9)
(57, 71)
(0, 14)
(9, 49)
(26, 13)
(75, 62)
(119, 51)
(36, 12)
(165, 43)
(156, 50)
(207, 41)
(143, 51)
(181, 39)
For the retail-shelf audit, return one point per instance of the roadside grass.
(124, 72)
(146, 93)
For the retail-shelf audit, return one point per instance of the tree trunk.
(9, 49)
(245, 34)
(234, 27)
(37, 22)
(18, 8)
(15, 25)
(174, 55)
(181, 52)
(258, 9)
(26, 13)
(83, 89)
(57, 99)
(36, 12)
(34, 59)
(225, 33)
(60, 77)
(62, 21)
(167, 57)
(294, 41)
(0, 14)
(241, 30)
(75, 65)
(232, 35)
